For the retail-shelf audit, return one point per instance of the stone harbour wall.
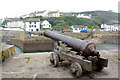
(27, 46)
(111, 38)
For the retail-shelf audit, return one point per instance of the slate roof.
(33, 20)
(52, 12)
(13, 19)
(79, 26)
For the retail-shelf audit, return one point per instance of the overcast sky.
(15, 8)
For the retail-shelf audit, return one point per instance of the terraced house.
(32, 24)
(13, 24)
(78, 28)
(110, 27)
(53, 14)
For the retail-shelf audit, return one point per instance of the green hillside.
(97, 18)
(64, 22)
(103, 16)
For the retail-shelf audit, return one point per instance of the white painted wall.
(46, 24)
(77, 30)
(83, 16)
(106, 27)
(44, 14)
(32, 26)
(18, 24)
(54, 14)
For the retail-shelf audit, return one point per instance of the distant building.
(83, 16)
(67, 14)
(32, 24)
(45, 24)
(14, 23)
(110, 27)
(42, 13)
(78, 28)
(53, 14)
(33, 14)
(24, 16)
(1, 21)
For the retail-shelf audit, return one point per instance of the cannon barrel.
(85, 48)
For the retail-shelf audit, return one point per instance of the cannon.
(82, 55)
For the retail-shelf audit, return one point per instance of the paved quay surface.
(39, 66)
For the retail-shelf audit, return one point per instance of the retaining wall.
(27, 46)
(108, 37)
(6, 52)
(111, 38)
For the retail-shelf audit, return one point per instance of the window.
(75, 28)
(29, 25)
(31, 29)
(30, 22)
(34, 22)
(34, 25)
(37, 29)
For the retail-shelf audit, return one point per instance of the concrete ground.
(39, 67)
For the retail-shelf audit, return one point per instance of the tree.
(62, 22)
(4, 23)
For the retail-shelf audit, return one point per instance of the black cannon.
(82, 55)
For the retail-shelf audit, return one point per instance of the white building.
(83, 16)
(14, 23)
(33, 14)
(32, 24)
(67, 14)
(109, 27)
(24, 16)
(45, 24)
(1, 21)
(53, 14)
(78, 28)
(42, 13)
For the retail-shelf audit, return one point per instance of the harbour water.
(107, 46)
(17, 49)
(100, 47)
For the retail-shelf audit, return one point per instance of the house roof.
(67, 13)
(111, 24)
(115, 24)
(79, 26)
(33, 20)
(52, 12)
(40, 11)
(13, 19)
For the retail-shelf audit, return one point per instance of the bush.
(45, 28)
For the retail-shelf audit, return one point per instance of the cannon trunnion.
(82, 55)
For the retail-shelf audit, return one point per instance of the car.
(83, 31)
